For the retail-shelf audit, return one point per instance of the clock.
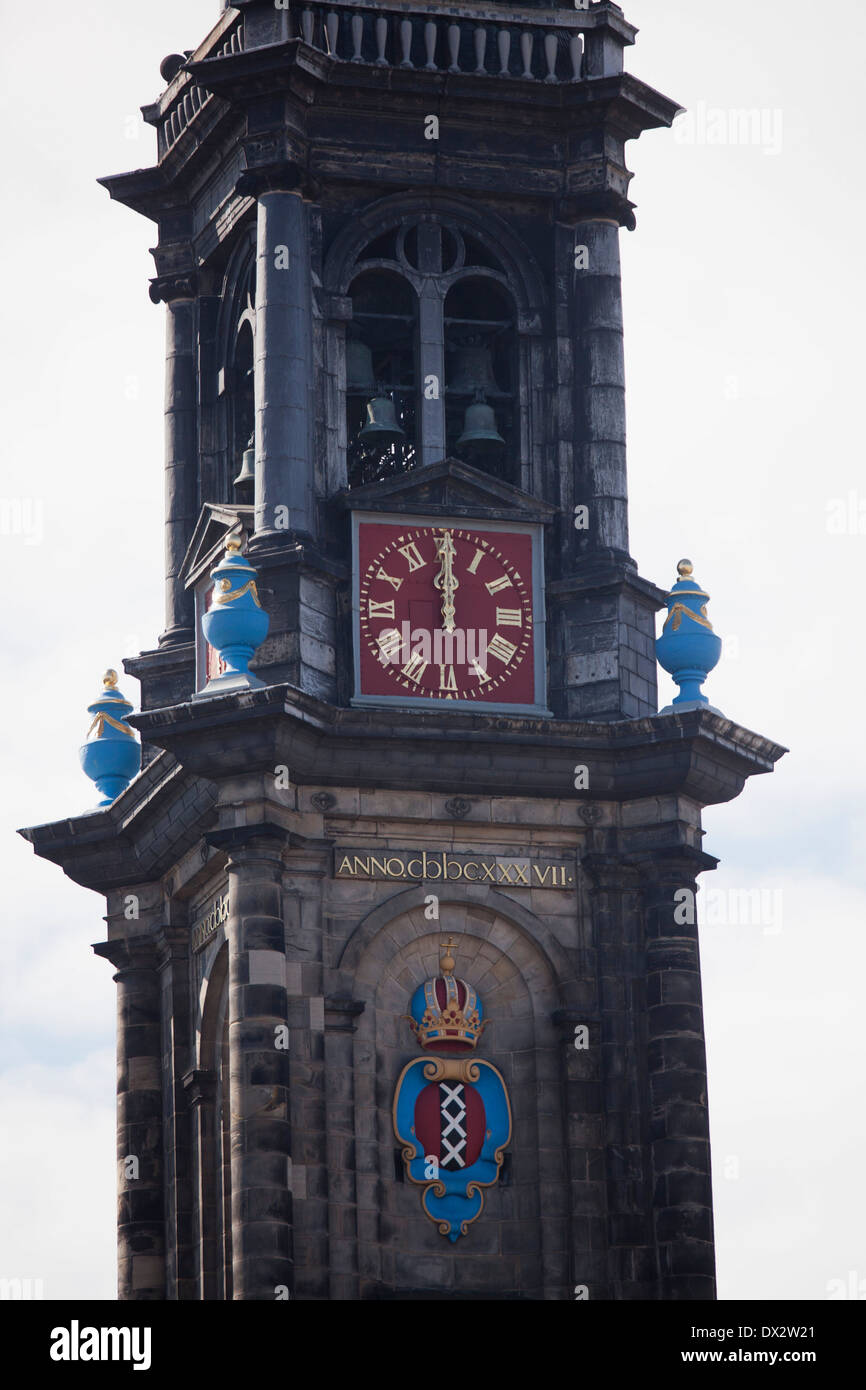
(448, 613)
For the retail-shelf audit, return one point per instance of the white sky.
(744, 300)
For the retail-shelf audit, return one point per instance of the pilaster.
(172, 946)
(262, 1256)
(141, 1253)
(677, 1074)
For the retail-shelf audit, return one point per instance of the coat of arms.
(451, 1113)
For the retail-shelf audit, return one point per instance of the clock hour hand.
(446, 581)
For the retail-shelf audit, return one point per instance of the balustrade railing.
(533, 45)
(191, 98)
(546, 47)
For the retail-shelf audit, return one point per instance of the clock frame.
(514, 678)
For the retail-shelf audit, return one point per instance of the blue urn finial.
(235, 624)
(111, 754)
(688, 648)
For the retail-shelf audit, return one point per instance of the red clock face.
(445, 613)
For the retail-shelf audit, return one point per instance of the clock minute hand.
(446, 580)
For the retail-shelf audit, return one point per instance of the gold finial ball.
(233, 545)
(109, 680)
(685, 569)
(447, 961)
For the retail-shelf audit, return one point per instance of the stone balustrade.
(534, 45)
(190, 97)
(478, 40)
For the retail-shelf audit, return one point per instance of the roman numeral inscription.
(414, 556)
(505, 617)
(385, 610)
(389, 578)
(476, 561)
(501, 648)
(447, 678)
(414, 669)
(483, 678)
(390, 643)
(493, 586)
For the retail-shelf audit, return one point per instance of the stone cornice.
(607, 576)
(697, 754)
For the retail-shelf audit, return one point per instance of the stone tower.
(387, 247)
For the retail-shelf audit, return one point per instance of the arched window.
(242, 406)
(480, 370)
(431, 353)
(236, 355)
(380, 377)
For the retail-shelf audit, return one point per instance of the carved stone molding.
(341, 1013)
(167, 289)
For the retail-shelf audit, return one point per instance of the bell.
(248, 469)
(479, 429)
(381, 428)
(473, 370)
(359, 367)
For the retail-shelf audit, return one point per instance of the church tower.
(402, 919)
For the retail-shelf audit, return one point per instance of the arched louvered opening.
(381, 377)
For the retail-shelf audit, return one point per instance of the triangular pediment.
(216, 520)
(449, 488)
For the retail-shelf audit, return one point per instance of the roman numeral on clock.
(389, 578)
(476, 561)
(493, 586)
(386, 610)
(505, 617)
(483, 678)
(390, 643)
(447, 678)
(415, 668)
(414, 556)
(501, 648)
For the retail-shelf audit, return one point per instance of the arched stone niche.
(517, 1245)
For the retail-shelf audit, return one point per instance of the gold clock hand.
(446, 581)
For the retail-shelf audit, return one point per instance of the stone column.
(430, 436)
(283, 362)
(178, 292)
(141, 1261)
(677, 1067)
(599, 388)
(262, 1257)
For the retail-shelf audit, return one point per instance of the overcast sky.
(744, 309)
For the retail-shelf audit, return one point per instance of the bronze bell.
(479, 429)
(247, 475)
(382, 427)
(473, 370)
(359, 367)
